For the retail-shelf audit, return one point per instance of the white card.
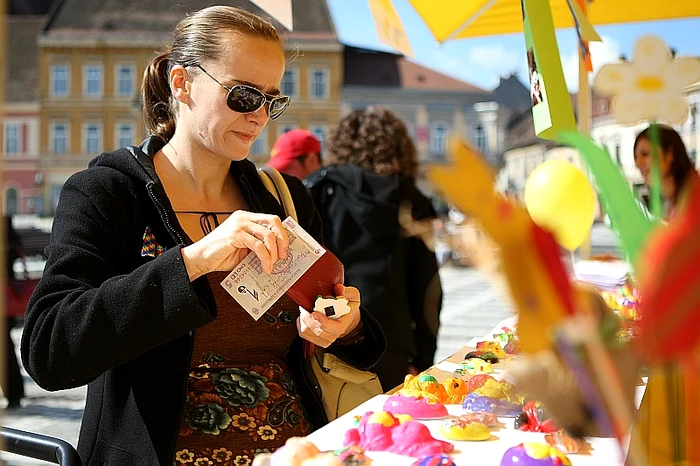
(256, 291)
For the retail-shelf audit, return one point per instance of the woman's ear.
(180, 84)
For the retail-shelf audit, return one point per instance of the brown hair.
(376, 140)
(681, 165)
(198, 37)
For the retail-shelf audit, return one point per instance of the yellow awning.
(460, 19)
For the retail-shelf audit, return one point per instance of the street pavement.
(473, 305)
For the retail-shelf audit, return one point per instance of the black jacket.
(106, 316)
(397, 276)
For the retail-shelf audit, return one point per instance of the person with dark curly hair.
(371, 174)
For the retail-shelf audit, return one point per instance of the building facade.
(434, 106)
(19, 138)
(92, 55)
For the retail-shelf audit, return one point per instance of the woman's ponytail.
(155, 91)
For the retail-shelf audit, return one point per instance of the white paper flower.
(650, 87)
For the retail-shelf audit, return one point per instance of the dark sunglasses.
(247, 99)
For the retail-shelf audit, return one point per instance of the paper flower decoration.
(650, 87)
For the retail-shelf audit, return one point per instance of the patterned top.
(241, 396)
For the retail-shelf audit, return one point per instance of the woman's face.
(247, 60)
(643, 159)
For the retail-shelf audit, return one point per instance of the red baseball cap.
(292, 144)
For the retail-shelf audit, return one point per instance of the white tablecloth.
(603, 452)
(490, 452)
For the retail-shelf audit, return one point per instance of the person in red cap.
(296, 152)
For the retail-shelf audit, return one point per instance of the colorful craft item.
(424, 386)
(668, 281)
(530, 257)
(417, 408)
(491, 347)
(487, 356)
(478, 381)
(435, 460)
(353, 456)
(512, 347)
(563, 442)
(504, 338)
(298, 451)
(534, 419)
(458, 429)
(475, 403)
(450, 391)
(534, 454)
(488, 419)
(383, 432)
(474, 366)
(456, 390)
(500, 390)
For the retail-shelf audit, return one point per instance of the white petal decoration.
(651, 87)
(675, 111)
(685, 71)
(612, 79)
(652, 52)
(628, 108)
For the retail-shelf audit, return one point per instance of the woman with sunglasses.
(131, 301)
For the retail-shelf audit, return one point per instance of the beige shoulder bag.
(340, 386)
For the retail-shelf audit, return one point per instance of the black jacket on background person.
(396, 275)
(108, 316)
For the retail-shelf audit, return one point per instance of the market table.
(603, 451)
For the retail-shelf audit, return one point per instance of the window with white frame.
(59, 137)
(259, 147)
(289, 84)
(92, 137)
(480, 138)
(125, 134)
(284, 127)
(320, 132)
(439, 134)
(125, 79)
(319, 83)
(60, 80)
(92, 80)
(13, 138)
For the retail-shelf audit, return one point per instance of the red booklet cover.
(319, 280)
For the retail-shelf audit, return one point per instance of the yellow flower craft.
(650, 87)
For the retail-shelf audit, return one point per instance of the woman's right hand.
(228, 244)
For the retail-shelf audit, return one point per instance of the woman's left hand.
(322, 331)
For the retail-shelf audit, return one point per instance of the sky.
(483, 61)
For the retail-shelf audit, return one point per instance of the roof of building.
(23, 58)
(372, 68)
(512, 93)
(158, 17)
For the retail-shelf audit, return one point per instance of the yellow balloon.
(560, 198)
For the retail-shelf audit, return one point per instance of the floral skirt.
(232, 414)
